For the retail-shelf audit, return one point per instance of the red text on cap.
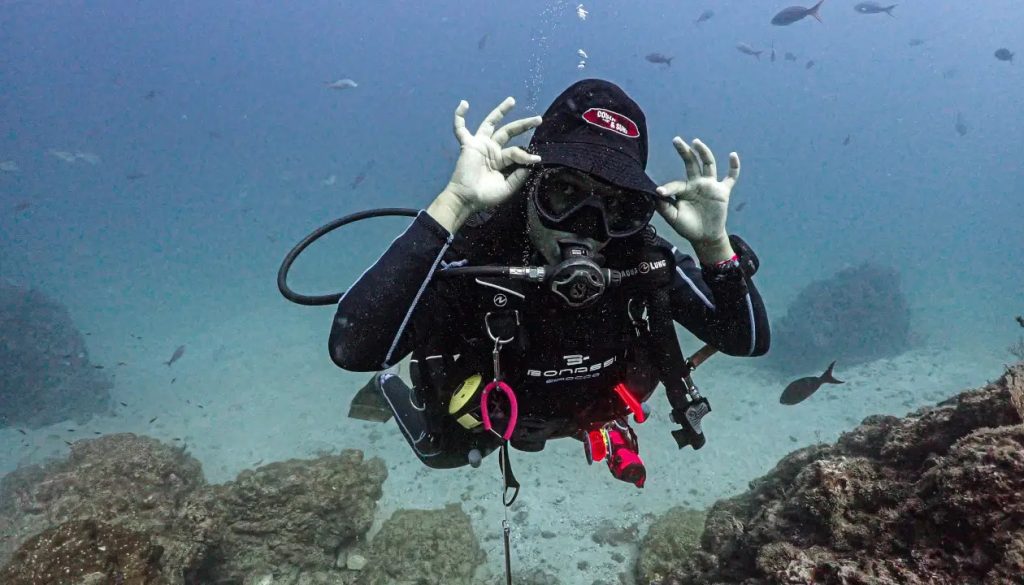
(610, 120)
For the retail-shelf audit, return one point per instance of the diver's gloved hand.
(478, 182)
(701, 201)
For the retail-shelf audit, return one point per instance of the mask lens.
(623, 213)
(627, 213)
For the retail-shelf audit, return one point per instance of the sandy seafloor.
(269, 392)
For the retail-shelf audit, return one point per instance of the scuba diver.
(565, 326)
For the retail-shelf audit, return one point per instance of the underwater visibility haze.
(769, 328)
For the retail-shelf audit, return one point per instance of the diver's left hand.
(701, 200)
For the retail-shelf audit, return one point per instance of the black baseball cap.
(594, 127)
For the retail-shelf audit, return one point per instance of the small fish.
(915, 42)
(362, 174)
(24, 433)
(789, 56)
(97, 433)
(482, 43)
(809, 64)
(799, 390)
(773, 52)
(1004, 54)
(658, 58)
(1020, 320)
(153, 420)
(960, 126)
(97, 367)
(150, 94)
(135, 176)
(740, 206)
(341, 84)
(22, 206)
(874, 8)
(68, 443)
(704, 16)
(788, 16)
(846, 141)
(123, 403)
(748, 50)
(177, 355)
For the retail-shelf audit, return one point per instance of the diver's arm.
(372, 327)
(721, 305)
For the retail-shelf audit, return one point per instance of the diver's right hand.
(478, 182)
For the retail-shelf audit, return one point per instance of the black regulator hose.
(289, 259)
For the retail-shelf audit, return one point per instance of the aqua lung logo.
(577, 368)
(644, 268)
(500, 300)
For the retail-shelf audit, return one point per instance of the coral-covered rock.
(289, 516)
(930, 498)
(134, 482)
(87, 552)
(672, 538)
(858, 315)
(45, 374)
(428, 547)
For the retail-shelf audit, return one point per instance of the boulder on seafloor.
(87, 552)
(424, 547)
(45, 373)
(126, 499)
(931, 498)
(294, 515)
(131, 481)
(858, 315)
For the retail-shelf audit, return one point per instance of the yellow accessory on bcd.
(465, 403)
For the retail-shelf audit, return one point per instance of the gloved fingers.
(517, 179)
(487, 127)
(461, 134)
(513, 129)
(667, 210)
(672, 188)
(734, 170)
(515, 154)
(710, 168)
(689, 158)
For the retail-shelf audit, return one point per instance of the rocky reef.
(45, 373)
(132, 510)
(858, 315)
(932, 498)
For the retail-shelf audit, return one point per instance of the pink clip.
(512, 402)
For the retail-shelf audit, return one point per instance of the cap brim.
(608, 164)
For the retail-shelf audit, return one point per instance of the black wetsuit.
(562, 364)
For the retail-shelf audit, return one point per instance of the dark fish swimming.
(1004, 54)
(960, 126)
(809, 64)
(799, 390)
(748, 50)
(789, 56)
(1020, 320)
(773, 53)
(915, 42)
(177, 355)
(793, 14)
(874, 8)
(481, 43)
(704, 16)
(846, 141)
(659, 59)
